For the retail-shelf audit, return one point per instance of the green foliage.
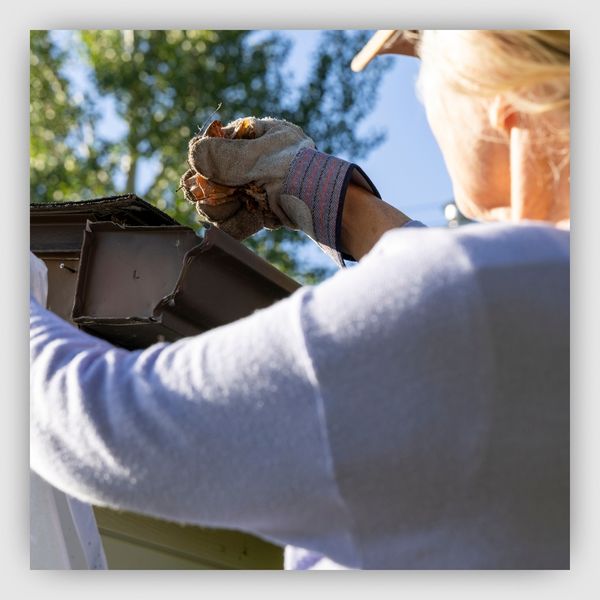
(63, 164)
(164, 85)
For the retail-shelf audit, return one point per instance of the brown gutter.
(128, 273)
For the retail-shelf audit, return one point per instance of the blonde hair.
(530, 68)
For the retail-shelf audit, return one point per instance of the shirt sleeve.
(222, 429)
(232, 428)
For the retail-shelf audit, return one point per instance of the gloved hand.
(38, 279)
(305, 189)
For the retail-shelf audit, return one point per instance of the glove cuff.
(320, 181)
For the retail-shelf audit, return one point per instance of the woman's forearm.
(365, 219)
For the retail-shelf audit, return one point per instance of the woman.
(411, 412)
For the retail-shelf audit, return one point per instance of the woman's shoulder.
(416, 272)
(483, 245)
(499, 263)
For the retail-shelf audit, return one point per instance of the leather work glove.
(285, 181)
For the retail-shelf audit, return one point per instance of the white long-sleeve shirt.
(410, 412)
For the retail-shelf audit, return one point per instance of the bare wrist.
(365, 219)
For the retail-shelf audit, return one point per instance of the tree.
(166, 84)
(65, 157)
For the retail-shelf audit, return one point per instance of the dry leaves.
(220, 203)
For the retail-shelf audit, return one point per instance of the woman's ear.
(502, 116)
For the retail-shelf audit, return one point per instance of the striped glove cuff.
(320, 181)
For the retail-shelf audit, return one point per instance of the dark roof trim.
(104, 206)
(58, 226)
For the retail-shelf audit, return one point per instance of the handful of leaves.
(221, 204)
